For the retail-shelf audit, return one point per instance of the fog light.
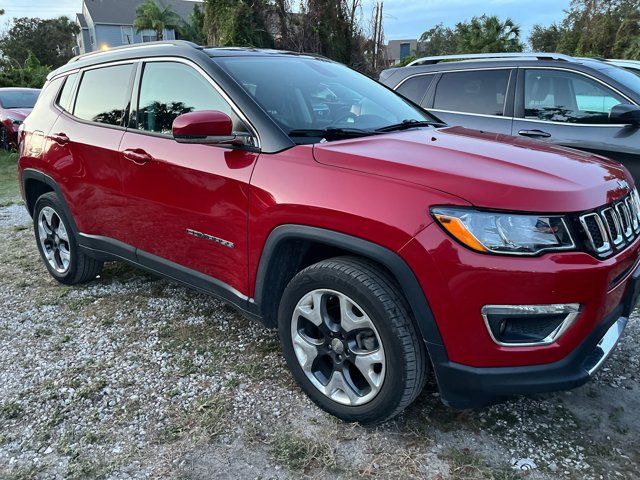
(528, 325)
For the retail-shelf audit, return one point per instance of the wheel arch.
(275, 270)
(36, 183)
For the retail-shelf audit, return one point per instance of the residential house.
(398, 50)
(109, 23)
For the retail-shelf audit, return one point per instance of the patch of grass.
(92, 390)
(11, 410)
(9, 190)
(466, 464)
(22, 473)
(300, 453)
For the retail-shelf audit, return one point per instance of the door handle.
(534, 133)
(137, 156)
(60, 138)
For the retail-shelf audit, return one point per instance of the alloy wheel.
(338, 347)
(54, 240)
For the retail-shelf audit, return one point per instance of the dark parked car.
(581, 103)
(318, 201)
(15, 105)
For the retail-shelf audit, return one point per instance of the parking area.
(131, 376)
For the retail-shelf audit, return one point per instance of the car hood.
(18, 113)
(486, 169)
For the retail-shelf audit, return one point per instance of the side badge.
(211, 238)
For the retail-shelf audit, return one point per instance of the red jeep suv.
(382, 244)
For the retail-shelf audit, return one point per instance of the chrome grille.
(613, 227)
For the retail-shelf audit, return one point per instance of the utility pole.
(378, 37)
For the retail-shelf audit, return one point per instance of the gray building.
(398, 50)
(109, 23)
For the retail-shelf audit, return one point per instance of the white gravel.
(131, 376)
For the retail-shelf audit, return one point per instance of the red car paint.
(145, 191)
(12, 117)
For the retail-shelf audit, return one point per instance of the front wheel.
(350, 341)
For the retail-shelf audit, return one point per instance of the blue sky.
(403, 18)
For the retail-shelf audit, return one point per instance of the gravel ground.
(131, 376)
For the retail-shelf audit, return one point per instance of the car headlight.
(504, 233)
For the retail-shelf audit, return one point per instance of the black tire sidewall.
(50, 200)
(393, 386)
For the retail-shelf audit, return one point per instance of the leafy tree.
(236, 23)
(488, 34)
(51, 41)
(31, 74)
(545, 39)
(330, 21)
(627, 36)
(439, 40)
(150, 16)
(193, 29)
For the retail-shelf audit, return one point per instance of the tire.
(351, 313)
(57, 243)
(5, 144)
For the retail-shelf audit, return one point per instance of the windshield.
(19, 98)
(306, 96)
(625, 77)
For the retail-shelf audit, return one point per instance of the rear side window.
(65, 100)
(169, 89)
(567, 97)
(480, 91)
(415, 87)
(103, 94)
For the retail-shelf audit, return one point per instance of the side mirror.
(625, 115)
(206, 127)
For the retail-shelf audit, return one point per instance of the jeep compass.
(383, 245)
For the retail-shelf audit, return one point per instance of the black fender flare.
(33, 174)
(358, 246)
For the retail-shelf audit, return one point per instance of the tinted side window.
(481, 91)
(103, 94)
(415, 88)
(169, 89)
(65, 101)
(560, 96)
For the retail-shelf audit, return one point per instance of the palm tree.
(150, 16)
(487, 34)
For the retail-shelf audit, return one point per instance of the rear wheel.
(349, 340)
(57, 243)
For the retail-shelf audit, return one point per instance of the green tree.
(487, 34)
(31, 74)
(150, 16)
(627, 36)
(439, 40)
(236, 23)
(193, 29)
(51, 41)
(545, 39)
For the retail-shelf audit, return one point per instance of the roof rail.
(133, 46)
(491, 56)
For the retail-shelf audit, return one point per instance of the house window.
(127, 35)
(149, 38)
(405, 50)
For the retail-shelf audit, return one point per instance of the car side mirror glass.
(625, 115)
(209, 127)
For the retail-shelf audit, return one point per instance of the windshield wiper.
(332, 133)
(407, 124)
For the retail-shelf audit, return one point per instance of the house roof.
(82, 21)
(123, 12)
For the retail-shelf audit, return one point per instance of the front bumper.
(472, 369)
(470, 387)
